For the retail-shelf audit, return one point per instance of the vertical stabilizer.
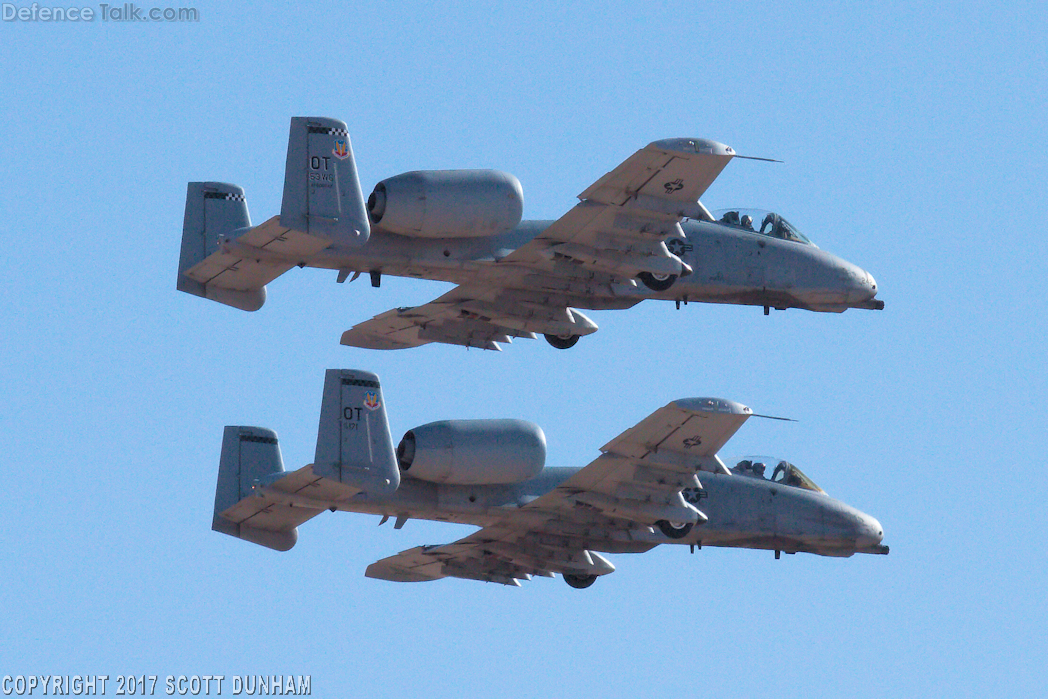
(250, 457)
(354, 446)
(322, 195)
(215, 211)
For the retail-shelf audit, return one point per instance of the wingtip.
(693, 145)
(712, 405)
(353, 338)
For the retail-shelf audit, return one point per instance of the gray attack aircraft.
(642, 491)
(638, 233)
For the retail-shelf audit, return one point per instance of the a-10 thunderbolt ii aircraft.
(639, 232)
(659, 482)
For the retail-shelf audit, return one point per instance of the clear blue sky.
(914, 144)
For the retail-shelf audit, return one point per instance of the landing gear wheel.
(657, 282)
(562, 341)
(579, 582)
(673, 530)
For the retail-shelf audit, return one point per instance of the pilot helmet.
(744, 465)
(747, 220)
(758, 468)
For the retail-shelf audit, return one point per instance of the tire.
(561, 342)
(579, 582)
(660, 282)
(673, 530)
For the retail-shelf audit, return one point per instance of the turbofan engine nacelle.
(447, 203)
(473, 452)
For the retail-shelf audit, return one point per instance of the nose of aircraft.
(861, 286)
(871, 284)
(868, 534)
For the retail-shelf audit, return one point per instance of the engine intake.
(447, 203)
(473, 452)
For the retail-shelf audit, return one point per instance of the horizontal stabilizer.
(251, 460)
(226, 260)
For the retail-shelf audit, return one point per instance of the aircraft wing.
(472, 315)
(674, 169)
(501, 554)
(615, 234)
(610, 505)
(622, 219)
(690, 427)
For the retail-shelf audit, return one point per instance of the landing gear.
(579, 582)
(657, 282)
(673, 530)
(562, 341)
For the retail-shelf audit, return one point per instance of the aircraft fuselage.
(743, 512)
(730, 266)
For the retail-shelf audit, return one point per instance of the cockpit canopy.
(774, 470)
(761, 222)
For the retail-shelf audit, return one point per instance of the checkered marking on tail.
(360, 382)
(330, 130)
(257, 438)
(228, 196)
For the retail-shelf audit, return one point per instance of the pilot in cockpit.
(769, 225)
(747, 222)
(749, 468)
(731, 218)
